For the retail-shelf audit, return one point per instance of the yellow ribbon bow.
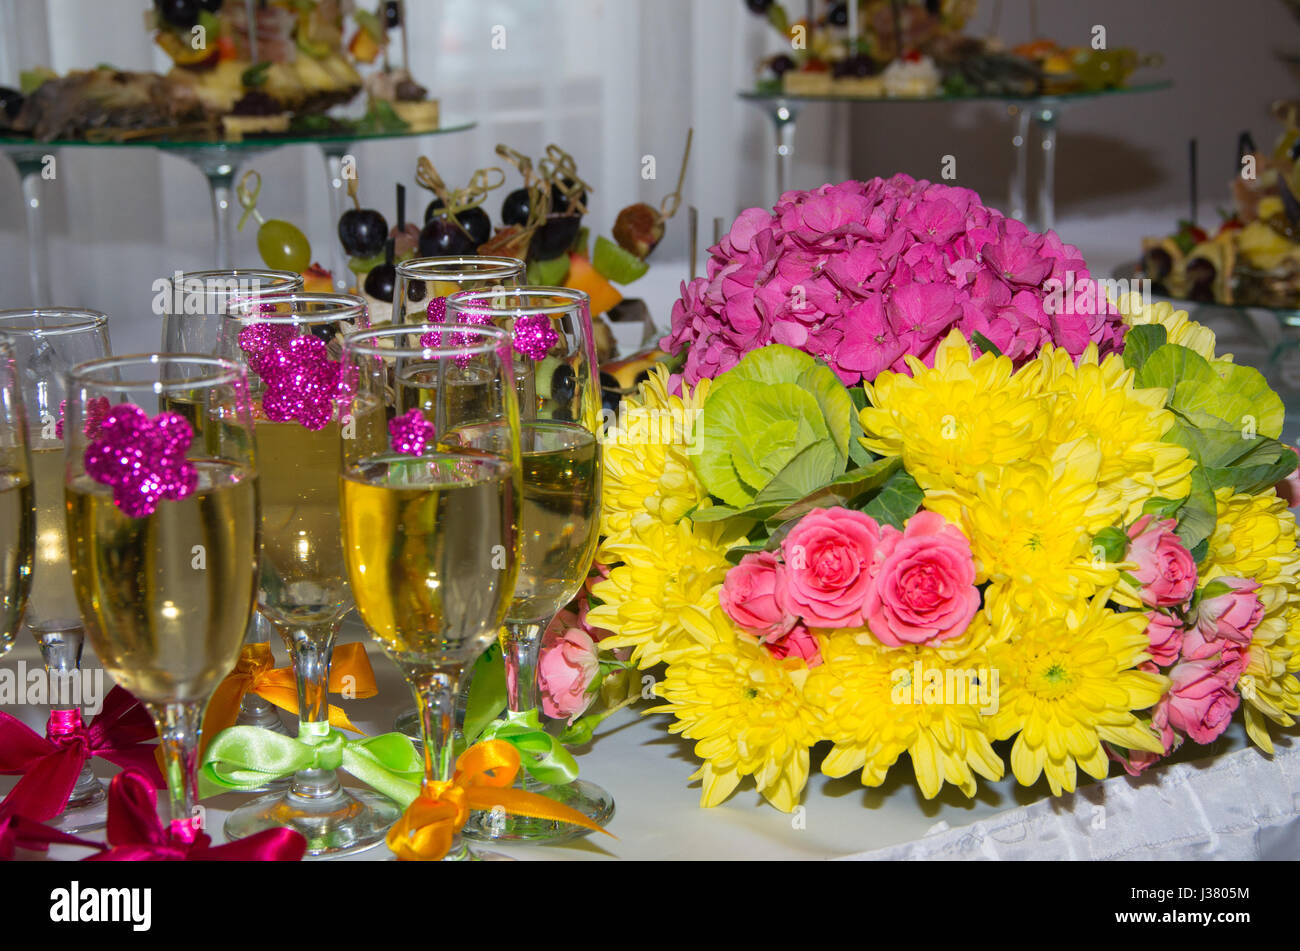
(484, 776)
(255, 672)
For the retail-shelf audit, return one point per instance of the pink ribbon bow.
(19, 832)
(136, 834)
(121, 733)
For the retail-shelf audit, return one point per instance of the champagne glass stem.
(435, 697)
(312, 647)
(520, 643)
(178, 726)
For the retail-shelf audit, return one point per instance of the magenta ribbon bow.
(50, 764)
(136, 834)
(19, 832)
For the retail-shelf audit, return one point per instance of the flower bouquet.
(921, 487)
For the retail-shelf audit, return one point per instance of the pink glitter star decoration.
(535, 336)
(96, 411)
(437, 310)
(301, 381)
(143, 459)
(410, 432)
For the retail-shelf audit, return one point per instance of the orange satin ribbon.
(484, 776)
(255, 672)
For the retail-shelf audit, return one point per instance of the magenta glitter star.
(535, 336)
(410, 432)
(143, 459)
(437, 310)
(301, 381)
(96, 412)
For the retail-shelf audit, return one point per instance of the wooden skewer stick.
(693, 223)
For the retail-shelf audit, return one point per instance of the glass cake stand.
(219, 161)
(1042, 112)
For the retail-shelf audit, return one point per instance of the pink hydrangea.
(864, 274)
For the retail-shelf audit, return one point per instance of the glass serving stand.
(219, 161)
(1042, 112)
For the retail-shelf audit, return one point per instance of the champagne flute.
(166, 585)
(17, 507)
(419, 282)
(303, 588)
(193, 305)
(561, 471)
(431, 537)
(46, 344)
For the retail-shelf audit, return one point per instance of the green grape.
(283, 246)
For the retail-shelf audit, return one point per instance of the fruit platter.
(240, 69)
(916, 49)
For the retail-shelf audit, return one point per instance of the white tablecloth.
(1241, 805)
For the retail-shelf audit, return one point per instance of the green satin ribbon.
(244, 758)
(543, 756)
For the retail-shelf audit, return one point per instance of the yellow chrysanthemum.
(647, 456)
(746, 711)
(1031, 528)
(880, 703)
(1180, 328)
(951, 421)
(1254, 537)
(1268, 685)
(1067, 684)
(668, 573)
(1099, 402)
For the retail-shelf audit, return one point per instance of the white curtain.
(611, 81)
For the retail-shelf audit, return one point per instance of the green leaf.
(1141, 341)
(836, 405)
(803, 474)
(1265, 464)
(719, 513)
(1113, 543)
(897, 501)
(1162, 508)
(775, 363)
(844, 490)
(984, 343)
(1169, 365)
(1239, 396)
(1199, 513)
(748, 432)
(255, 76)
(487, 692)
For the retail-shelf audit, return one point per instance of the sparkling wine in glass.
(292, 344)
(431, 536)
(47, 343)
(419, 283)
(166, 585)
(561, 474)
(194, 305)
(17, 505)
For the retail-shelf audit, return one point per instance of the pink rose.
(799, 643)
(753, 596)
(1166, 570)
(1203, 696)
(1165, 632)
(1136, 761)
(1225, 620)
(924, 589)
(567, 664)
(828, 557)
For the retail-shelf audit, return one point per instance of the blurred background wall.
(615, 80)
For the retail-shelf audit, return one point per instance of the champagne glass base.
(86, 811)
(587, 798)
(347, 821)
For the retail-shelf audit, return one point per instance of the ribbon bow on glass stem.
(122, 733)
(136, 834)
(483, 779)
(255, 672)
